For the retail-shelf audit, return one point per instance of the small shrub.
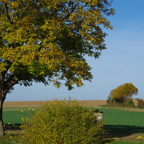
(114, 103)
(110, 103)
(124, 103)
(129, 103)
(140, 103)
(62, 122)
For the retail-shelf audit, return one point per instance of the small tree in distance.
(123, 92)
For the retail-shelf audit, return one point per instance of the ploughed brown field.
(87, 103)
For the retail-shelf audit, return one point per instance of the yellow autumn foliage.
(65, 30)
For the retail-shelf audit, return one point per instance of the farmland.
(124, 123)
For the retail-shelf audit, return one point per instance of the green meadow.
(124, 125)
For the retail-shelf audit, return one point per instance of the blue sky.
(121, 62)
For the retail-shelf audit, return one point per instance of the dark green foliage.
(140, 103)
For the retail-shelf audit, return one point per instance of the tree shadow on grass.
(15, 126)
(111, 130)
(122, 130)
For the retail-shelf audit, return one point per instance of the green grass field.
(119, 123)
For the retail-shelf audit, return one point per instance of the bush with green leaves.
(114, 103)
(140, 103)
(125, 103)
(62, 122)
(129, 103)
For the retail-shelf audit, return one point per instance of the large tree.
(40, 39)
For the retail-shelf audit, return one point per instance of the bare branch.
(16, 11)
(5, 8)
(69, 13)
(6, 11)
(66, 9)
(72, 10)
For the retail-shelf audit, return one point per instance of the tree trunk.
(1, 120)
(2, 98)
(6, 83)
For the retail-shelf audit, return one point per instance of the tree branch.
(6, 11)
(10, 83)
(72, 10)
(5, 7)
(66, 9)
